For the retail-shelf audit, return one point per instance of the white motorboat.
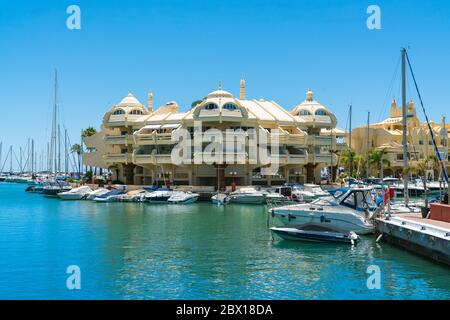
(110, 196)
(247, 196)
(316, 232)
(133, 196)
(159, 196)
(315, 189)
(76, 193)
(219, 198)
(181, 197)
(97, 193)
(350, 210)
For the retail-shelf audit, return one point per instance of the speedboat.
(161, 195)
(132, 196)
(76, 193)
(110, 196)
(219, 198)
(247, 196)
(316, 232)
(182, 197)
(315, 189)
(349, 210)
(53, 188)
(97, 193)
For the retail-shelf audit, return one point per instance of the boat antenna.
(350, 142)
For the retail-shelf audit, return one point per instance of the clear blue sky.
(181, 49)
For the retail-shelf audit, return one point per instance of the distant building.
(135, 142)
(387, 135)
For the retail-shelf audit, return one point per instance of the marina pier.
(427, 237)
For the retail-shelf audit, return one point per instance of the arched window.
(321, 113)
(136, 111)
(304, 113)
(210, 106)
(229, 106)
(118, 111)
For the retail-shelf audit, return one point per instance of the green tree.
(377, 159)
(89, 132)
(77, 149)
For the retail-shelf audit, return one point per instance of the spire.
(242, 90)
(309, 95)
(220, 85)
(150, 101)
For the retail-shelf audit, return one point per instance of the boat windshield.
(359, 200)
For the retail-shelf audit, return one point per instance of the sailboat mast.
(66, 155)
(11, 159)
(350, 142)
(368, 145)
(404, 125)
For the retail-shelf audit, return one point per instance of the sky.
(181, 49)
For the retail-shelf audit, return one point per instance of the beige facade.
(136, 142)
(387, 135)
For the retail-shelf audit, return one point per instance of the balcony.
(325, 158)
(118, 158)
(154, 138)
(297, 159)
(321, 141)
(121, 139)
(152, 159)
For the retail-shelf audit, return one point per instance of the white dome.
(220, 94)
(129, 101)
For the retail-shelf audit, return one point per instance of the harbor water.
(197, 251)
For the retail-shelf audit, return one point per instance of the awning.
(152, 127)
(170, 126)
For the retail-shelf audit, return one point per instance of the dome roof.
(129, 101)
(310, 105)
(220, 94)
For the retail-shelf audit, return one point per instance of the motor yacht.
(110, 196)
(97, 193)
(181, 197)
(51, 189)
(133, 196)
(219, 198)
(76, 193)
(350, 209)
(316, 232)
(247, 196)
(160, 195)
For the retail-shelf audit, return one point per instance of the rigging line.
(438, 154)
(6, 159)
(390, 89)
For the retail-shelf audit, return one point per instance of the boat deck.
(417, 218)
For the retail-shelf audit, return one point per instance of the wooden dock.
(429, 238)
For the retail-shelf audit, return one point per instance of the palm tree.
(378, 160)
(347, 156)
(76, 148)
(89, 132)
(358, 160)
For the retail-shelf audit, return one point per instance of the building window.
(229, 106)
(135, 111)
(118, 111)
(321, 113)
(304, 113)
(211, 106)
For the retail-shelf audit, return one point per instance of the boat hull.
(299, 235)
(184, 201)
(247, 199)
(345, 222)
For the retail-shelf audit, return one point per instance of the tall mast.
(66, 156)
(350, 142)
(59, 148)
(32, 156)
(404, 125)
(10, 159)
(1, 163)
(53, 143)
(368, 144)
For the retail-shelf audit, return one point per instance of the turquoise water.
(199, 251)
